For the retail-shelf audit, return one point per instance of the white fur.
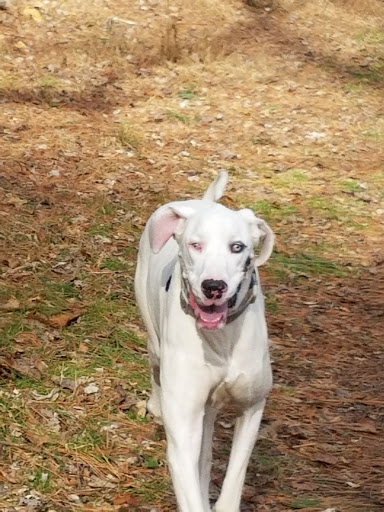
(196, 371)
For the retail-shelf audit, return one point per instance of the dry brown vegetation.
(110, 108)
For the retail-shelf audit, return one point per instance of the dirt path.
(110, 111)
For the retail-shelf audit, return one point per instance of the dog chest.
(242, 390)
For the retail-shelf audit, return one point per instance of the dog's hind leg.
(205, 460)
(246, 430)
(154, 401)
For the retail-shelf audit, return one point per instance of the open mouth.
(209, 317)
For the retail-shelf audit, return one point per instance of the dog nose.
(213, 289)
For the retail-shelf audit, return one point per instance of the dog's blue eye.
(237, 247)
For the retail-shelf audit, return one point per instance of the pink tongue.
(213, 316)
(209, 316)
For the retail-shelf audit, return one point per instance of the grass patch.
(119, 350)
(153, 488)
(269, 463)
(114, 264)
(42, 481)
(376, 135)
(9, 332)
(371, 37)
(50, 81)
(305, 502)
(351, 185)
(100, 230)
(188, 93)
(179, 116)
(373, 74)
(56, 296)
(89, 439)
(271, 303)
(273, 211)
(329, 209)
(304, 264)
(130, 137)
(292, 179)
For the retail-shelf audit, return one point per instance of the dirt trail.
(102, 119)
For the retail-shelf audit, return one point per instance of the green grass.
(100, 229)
(305, 502)
(371, 37)
(269, 463)
(56, 296)
(152, 462)
(108, 209)
(114, 264)
(42, 481)
(137, 418)
(89, 439)
(347, 210)
(328, 208)
(292, 177)
(376, 135)
(129, 136)
(354, 88)
(304, 265)
(12, 410)
(273, 211)
(64, 290)
(179, 116)
(153, 487)
(10, 330)
(351, 185)
(188, 93)
(21, 381)
(373, 74)
(271, 303)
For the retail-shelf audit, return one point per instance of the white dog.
(198, 290)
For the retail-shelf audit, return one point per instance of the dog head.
(217, 249)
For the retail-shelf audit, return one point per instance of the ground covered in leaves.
(110, 108)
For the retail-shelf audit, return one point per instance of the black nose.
(213, 289)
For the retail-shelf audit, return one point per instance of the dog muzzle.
(216, 316)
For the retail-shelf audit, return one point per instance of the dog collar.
(249, 298)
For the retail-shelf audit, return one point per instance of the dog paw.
(154, 410)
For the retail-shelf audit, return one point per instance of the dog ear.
(260, 232)
(167, 221)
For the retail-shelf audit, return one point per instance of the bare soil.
(111, 108)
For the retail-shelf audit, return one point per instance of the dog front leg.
(246, 430)
(183, 426)
(205, 460)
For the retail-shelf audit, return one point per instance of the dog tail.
(217, 188)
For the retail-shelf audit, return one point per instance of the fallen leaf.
(326, 458)
(20, 45)
(29, 339)
(125, 499)
(37, 439)
(63, 319)
(11, 262)
(126, 403)
(12, 304)
(31, 366)
(65, 382)
(141, 407)
(366, 425)
(34, 13)
(305, 486)
(15, 201)
(91, 389)
(58, 320)
(83, 348)
(98, 483)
